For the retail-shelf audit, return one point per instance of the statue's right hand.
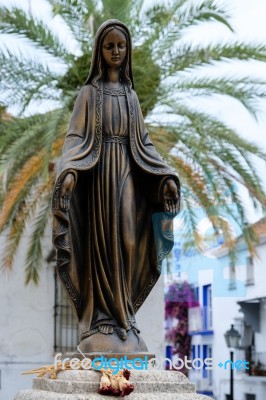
(66, 191)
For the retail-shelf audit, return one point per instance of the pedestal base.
(84, 385)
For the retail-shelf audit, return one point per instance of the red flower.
(115, 385)
(107, 390)
(128, 388)
(124, 385)
(126, 374)
(105, 385)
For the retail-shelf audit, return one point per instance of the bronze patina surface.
(111, 183)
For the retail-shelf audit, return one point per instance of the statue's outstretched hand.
(170, 196)
(66, 191)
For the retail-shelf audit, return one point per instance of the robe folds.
(112, 240)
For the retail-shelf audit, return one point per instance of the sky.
(248, 20)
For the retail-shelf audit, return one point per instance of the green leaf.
(16, 21)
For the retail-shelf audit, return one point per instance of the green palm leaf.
(34, 258)
(16, 21)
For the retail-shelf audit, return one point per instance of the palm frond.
(34, 252)
(191, 237)
(197, 128)
(75, 17)
(206, 11)
(168, 23)
(25, 140)
(18, 224)
(19, 186)
(245, 90)
(119, 9)
(26, 79)
(18, 22)
(187, 57)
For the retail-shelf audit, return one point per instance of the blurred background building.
(227, 297)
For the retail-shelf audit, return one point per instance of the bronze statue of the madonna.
(111, 181)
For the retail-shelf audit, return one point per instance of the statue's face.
(114, 48)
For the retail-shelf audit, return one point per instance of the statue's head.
(111, 31)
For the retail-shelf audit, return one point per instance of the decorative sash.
(115, 139)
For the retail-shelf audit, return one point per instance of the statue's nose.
(116, 50)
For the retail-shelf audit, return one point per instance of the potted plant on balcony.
(258, 369)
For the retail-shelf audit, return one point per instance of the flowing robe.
(111, 242)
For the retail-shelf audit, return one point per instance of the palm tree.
(207, 154)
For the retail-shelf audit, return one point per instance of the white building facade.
(228, 297)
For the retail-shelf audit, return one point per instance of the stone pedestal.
(83, 385)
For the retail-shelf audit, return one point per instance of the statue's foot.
(119, 341)
(121, 333)
(106, 329)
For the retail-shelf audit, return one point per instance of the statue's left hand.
(170, 196)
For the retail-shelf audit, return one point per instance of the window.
(249, 271)
(207, 353)
(199, 352)
(193, 352)
(169, 351)
(65, 323)
(232, 277)
(196, 290)
(177, 256)
(250, 396)
(207, 307)
(204, 371)
(196, 353)
(168, 355)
